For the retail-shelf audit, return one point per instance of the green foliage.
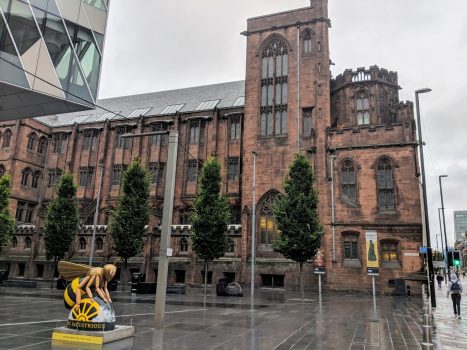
(7, 223)
(296, 214)
(61, 220)
(210, 215)
(128, 221)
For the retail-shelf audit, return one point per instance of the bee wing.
(70, 271)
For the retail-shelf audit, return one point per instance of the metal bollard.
(427, 335)
(426, 320)
(427, 346)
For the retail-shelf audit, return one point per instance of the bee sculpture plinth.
(91, 314)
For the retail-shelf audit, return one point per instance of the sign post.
(372, 257)
(319, 270)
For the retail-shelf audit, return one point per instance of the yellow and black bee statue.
(88, 311)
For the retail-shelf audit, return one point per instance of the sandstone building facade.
(288, 103)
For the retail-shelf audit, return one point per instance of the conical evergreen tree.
(210, 216)
(61, 220)
(296, 214)
(131, 215)
(7, 223)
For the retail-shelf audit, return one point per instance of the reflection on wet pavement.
(339, 321)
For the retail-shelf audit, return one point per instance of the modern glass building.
(50, 55)
(460, 224)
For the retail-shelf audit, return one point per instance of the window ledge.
(355, 264)
(391, 265)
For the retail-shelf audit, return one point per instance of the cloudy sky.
(155, 45)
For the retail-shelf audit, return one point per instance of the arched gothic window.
(385, 183)
(27, 243)
(349, 180)
(183, 245)
(363, 109)
(267, 223)
(36, 176)
(230, 246)
(307, 42)
(32, 141)
(42, 145)
(14, 242)
(2, 170)
(82, 243)
(274, 88)
(6, 138)
(99, 244)
(25, 177)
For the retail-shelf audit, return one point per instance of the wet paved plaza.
(339, 321)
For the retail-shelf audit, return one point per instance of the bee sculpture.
(78, 296)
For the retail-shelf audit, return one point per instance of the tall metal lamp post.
(100, 165)
(444, 224)
(425, 202)
(333, 210)
(253, 229)
(166, 229)
(442, 245)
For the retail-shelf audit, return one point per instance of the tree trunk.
(123, 275)
(205, 276)
(302, 292)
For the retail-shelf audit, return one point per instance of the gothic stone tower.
(292, 105)
(287, 109)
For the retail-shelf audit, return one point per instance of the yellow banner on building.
(372, 255)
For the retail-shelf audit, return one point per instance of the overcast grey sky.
(155, 45)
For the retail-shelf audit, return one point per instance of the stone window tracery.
(82, 243)
(197, 128)
(42, 145)
(307, 42)
(159, 139)
(274, 88)
(183, 245)
(351, 251)
(157, 173)
(363, 109)
(6, 138)
(31, 141)
(267, 223)
(235, 128)
(25, 177)
(90, 138)
(385, 183)
(36, 176)
(59, 142)
(389, 251)
(99, 244)
(349, 180)
(124, 142)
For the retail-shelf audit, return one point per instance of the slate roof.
(193, 99)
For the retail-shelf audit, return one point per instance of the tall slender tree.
(7, 223)
(210, 216)
(296, 214)
(131, 215)
(61, 221)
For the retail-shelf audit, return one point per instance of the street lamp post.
(333, 213)
(165, 252)
(100, 165)
(444, 223)
(253, 229)
(425, 202)
(442, 245)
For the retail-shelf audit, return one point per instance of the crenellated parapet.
(363, 75)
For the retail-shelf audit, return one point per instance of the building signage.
(412, 254)
(319, 270)
(372, 258)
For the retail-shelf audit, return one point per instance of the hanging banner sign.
(372, 258)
